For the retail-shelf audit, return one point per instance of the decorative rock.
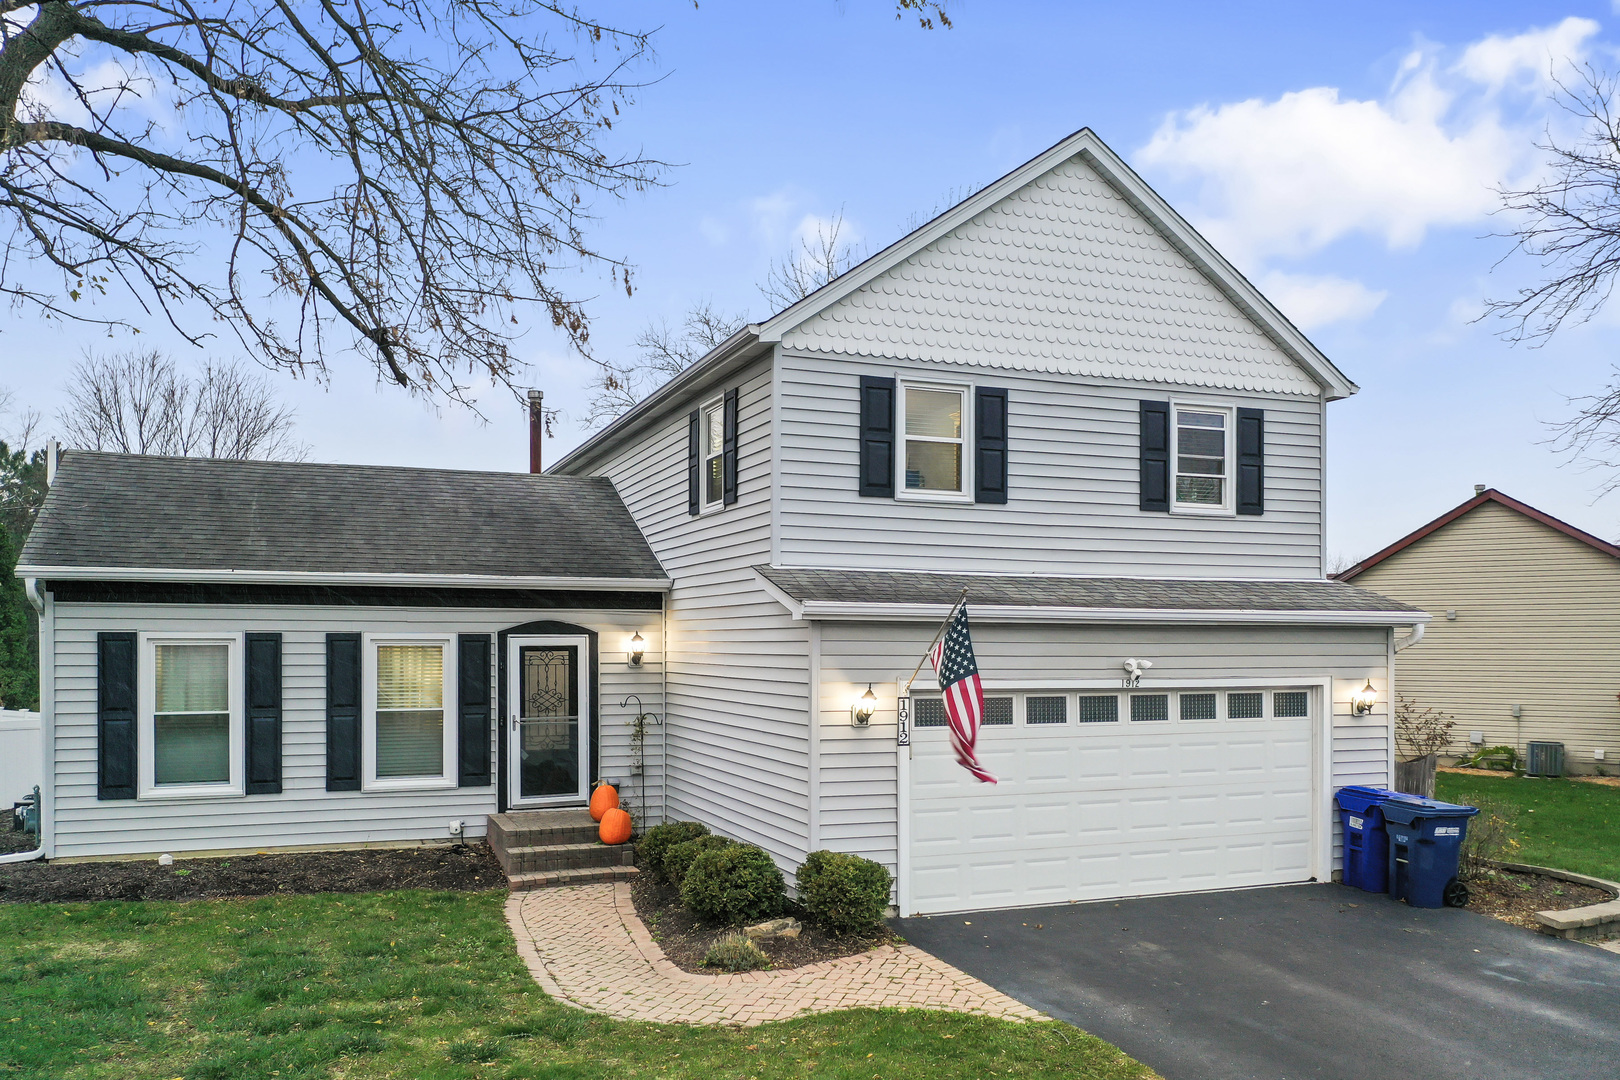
(773, 928)
(165, 860)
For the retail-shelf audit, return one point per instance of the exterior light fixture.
(1362, 701)
(860, 713)
(638, 649)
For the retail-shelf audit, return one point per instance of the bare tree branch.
(812, 266)
(663, 353)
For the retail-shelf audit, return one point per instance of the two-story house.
(1055, 398)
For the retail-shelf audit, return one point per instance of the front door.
(548, 721)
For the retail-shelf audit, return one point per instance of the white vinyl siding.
(305, 814)
(1073, 487)
(859, 766)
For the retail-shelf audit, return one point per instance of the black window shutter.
(877, 437)
(115, 716)
(263, 714)
(342, 712)
(472, 703)
(1155, 455)
(728, 452)
(989, 445)
(693, 460)
(1251, 461)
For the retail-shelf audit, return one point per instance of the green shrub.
(735, 952)
(657, 840)
(734, 884)
(844, 893)
(1493, 837)
(678, 859)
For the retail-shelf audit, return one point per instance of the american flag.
(958, 672)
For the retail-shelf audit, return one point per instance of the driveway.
(1318, 981)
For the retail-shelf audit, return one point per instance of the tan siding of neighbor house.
(1537, 625)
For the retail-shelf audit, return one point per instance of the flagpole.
(937, 635)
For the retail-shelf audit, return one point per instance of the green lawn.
(416, 985)
(1564, 824)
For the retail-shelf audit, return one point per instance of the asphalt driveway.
(1319, 981)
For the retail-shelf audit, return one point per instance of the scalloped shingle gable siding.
(1062, 276)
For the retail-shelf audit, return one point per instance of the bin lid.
(1407, 809)
(1359, 799)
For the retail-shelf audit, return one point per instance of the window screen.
(998, 711)
(928, 712)
(1289, 703)
(1150, 706)
(410, 711)
(1198, 706)
(1098, 709)
(1046, 710)
(1200, 458)
(1247, 705)
(191, 722)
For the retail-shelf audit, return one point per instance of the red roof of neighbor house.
(1488, 495)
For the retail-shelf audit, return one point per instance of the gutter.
(317, 577)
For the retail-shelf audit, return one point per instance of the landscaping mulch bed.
(13, 840)
(686, 940)
(1514, 897)
(457, 867)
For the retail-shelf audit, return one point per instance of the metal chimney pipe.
(537, 428)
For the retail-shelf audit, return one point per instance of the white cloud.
(1528, 61)
(814, 229)
(1312, 300)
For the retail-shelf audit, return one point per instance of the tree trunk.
(1416, 777)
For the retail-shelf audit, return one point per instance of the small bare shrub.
(736, 952)
(1493, 836)
(1420, 732)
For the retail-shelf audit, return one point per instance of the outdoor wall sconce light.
(860, 713)
(1362, 701)
(638, 649)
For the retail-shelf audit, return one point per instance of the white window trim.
(907, 494)
(368, 716)
(146, 788)
(1228, 507)
(718, 407)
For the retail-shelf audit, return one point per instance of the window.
(1198, 706)
(1202, 449)
(1287, 704)
(1046, 710)
(190, 739)
(1150, 707)
(409, 741)
(998, 711)
(1248, 705)
(1099, 709)
(714, 444)
(933, 456)
(928, 711)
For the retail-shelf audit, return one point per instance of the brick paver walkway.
(586, 947)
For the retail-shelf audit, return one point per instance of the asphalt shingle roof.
(909, 587)
(132, 511)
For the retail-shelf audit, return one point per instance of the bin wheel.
(1456, 894)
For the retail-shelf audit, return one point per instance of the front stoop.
(543, 848)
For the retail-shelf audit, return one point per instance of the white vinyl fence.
(21, 763)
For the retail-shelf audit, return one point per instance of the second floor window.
(933, 458)
(714, 443)
(1202, 449)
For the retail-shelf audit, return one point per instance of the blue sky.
(1342, 158)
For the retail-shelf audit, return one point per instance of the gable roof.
(134, 517)
(1488, 495)
(1084, 144)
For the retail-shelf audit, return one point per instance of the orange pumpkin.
(603, 799)
(615, 826)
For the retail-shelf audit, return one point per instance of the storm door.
(548, 727)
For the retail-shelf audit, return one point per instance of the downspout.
(1410, 639)
(31, 589)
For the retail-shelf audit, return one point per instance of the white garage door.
(1113, 794)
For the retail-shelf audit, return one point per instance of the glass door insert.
(547, 752)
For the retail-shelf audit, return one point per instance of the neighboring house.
(1055, 398)
(1528, 647)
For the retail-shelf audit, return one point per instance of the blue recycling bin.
(1366, 844)
(1425, 840)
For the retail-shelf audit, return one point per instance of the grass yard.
(1565, 824)
(415, 985)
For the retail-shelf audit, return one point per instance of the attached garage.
(1106, 793)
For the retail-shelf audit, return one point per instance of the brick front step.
(530, 859)
(587, 875)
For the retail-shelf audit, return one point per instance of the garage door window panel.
(1198, 706)
(1098, 709)
(1150, 707)
(1291, 704)
(1246, 705)
(1046, 710)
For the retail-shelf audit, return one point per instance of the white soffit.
(1070, 265)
